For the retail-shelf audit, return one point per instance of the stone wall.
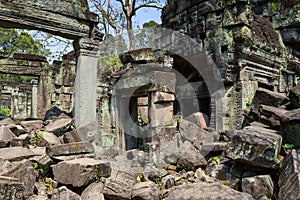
(250, 41)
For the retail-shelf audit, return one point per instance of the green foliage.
(39, 169)
(15, 78)
(37, 138)
(5, 111)
(216, 159)
(273, 5)
(140, 120)
(249, 103)
(13, 41)
(289, 146)
(150, 24)
(158, 182)
(96, 175)
(109, 63)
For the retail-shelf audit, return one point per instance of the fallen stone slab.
(7, 122)
(190, 158)
(260, 187)
(63, 193)
(271, 115)
(48, 139)
(294, 96)
(43, 162)
(6, 136)
(16, 153)
(71, 137)
(290, 128)
(266, 97)
(20, 141)
(23, 171)
(119, 187)
(59, 126)
(80, 172)
(199, 118)
(32, 126)
(289, 177)
(70, 149)
(11, 187)
(255, 145)
(93, 191)
(204, 191)
(145, 191)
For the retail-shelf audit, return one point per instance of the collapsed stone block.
(269, 98)
(6, 136)
(255, 145)
(70, 149)
(289, 177)
(294, 96)
(32, 126)
(145, 191)
(59, 126)
(80, 172)
(63, 193)
(258, 186)
(16, 153)
(11, 187)
(290, 128)
(93, 191)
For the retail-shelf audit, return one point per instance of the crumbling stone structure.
(72, 20)
(249, 42)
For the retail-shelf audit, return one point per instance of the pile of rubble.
(51, 159)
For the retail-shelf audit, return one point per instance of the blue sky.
(145, 15)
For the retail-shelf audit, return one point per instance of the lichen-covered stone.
(255, 145)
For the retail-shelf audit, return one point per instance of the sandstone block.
(255, 145)
(80, 172)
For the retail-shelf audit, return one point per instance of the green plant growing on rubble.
(216, 159)
(289, 146)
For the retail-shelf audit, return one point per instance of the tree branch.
(106, 16)
(146, 6)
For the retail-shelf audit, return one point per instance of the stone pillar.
(86, 81)
(34, 98)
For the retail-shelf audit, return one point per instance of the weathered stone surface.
(32, 125)
(159, 97)
(7, 122)
(21, 141)
(49, 139)
(203, 191)
(290, 128)
(93, 191)
(189, 157)
(80, 172)
(59, 126)
(11, 187)
(71, 137)
(289, 178)
(199, 118)
(70, 149)
(267, 97)
(63, 193)
(168, 181)
(260, 187)
(23, 171)
(255, 145)
(119, 187)
(145, 191)
(294, 96)
(6, 136)
(193, 133)
(271, 115)
(16, 153)
(43, 162)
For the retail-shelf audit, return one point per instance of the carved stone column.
(34, 99)
(86, 81)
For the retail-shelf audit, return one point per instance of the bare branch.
(146, 6)
(106, 16)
